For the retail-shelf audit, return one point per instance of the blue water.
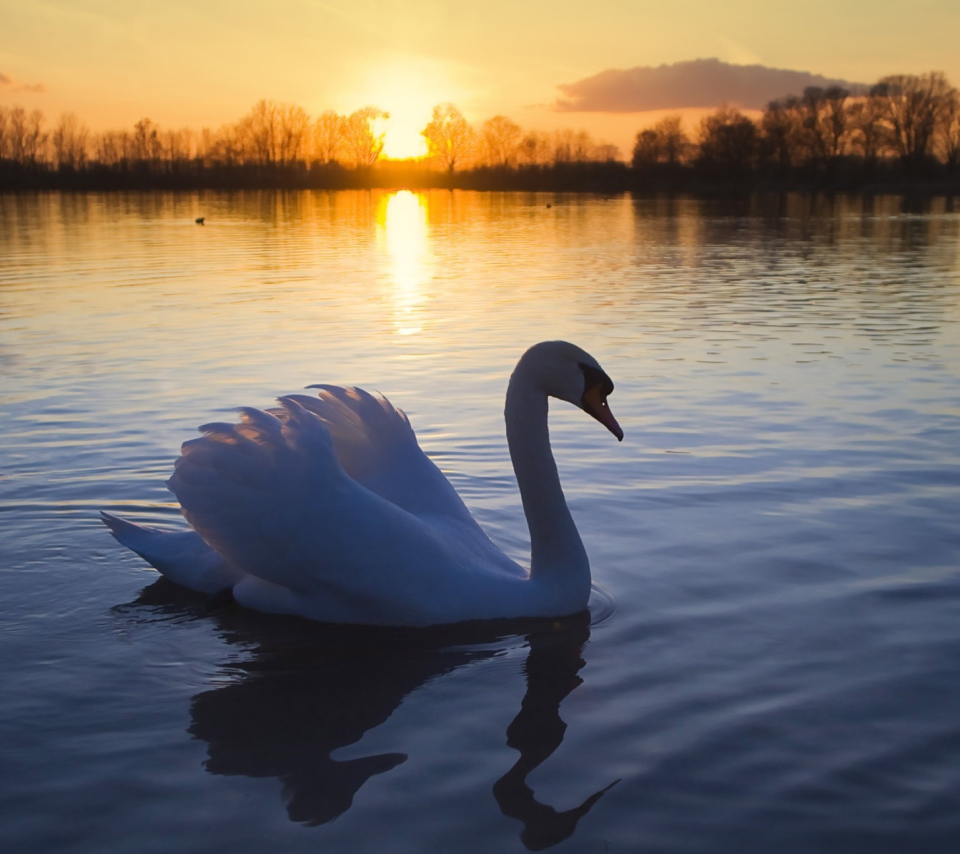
(772, 658)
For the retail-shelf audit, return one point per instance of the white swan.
(327, 508)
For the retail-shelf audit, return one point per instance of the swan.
(326, 508)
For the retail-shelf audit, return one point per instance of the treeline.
(906, 129)
(275, 144)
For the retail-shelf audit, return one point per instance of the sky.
(202, 63)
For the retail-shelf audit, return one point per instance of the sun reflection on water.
(402, 229)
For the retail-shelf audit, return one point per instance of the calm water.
(773, 663)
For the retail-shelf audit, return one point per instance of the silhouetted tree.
(606, 151)
(25, 137)
(646, 149)
(501, 138)
(449, 137)
(912, 106)
(4, 133)
(180, 145)
(70, 142)
(822, 128)
(869, 136)
(112, 147)
(833, 120)
(950, 131)
(365, 146)
(665, 142)
(261, 127)
(329, 132)
(534, 148)
(146, 145)
(728, 141)
(676, 143)
(293, 131)
(780, 127)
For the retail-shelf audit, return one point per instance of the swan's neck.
(558, 557)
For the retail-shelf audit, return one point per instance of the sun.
(407, 119)
(407, 88)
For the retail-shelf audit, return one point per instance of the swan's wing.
(269, 495)
(376, 446)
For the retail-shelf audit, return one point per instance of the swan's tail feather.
(123, 531)
(179, 555)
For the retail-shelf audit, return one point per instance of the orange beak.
(595, 404)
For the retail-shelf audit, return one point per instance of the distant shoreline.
(612, 177)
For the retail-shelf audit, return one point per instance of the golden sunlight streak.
(402, 229)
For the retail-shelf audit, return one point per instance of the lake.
(771, 661)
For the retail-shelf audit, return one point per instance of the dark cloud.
(696, 83)
(4, 80)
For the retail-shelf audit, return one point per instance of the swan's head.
(565, 371)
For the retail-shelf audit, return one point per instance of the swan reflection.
(402, 229)
(306, 690)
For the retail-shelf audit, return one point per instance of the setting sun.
(407, 88)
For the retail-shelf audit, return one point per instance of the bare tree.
(262, 124)
(178, 146)
(501, 137)
(17, 134)
(534, 148)
(869, 136)
(146, 144)
(363, 143)
(780, 126)
(293, 131)
(564, 144)
(665, 142)
(833, 120)
(728, 140)
(70, 141)
(605, 152)
(912, 106)
(675, 143)
(4, 133)
(112, 147)
(233, 144)
(26, 138)
(450, 139)
(584, 148)
(646, 149)
(329, 132)
(822, 128)
(950, 131)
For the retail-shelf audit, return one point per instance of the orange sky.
(205, 62)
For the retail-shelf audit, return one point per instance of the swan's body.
(328, 509)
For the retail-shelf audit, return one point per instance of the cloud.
(695, 83)
(12, 85)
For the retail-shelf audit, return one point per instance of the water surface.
(773, 663)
